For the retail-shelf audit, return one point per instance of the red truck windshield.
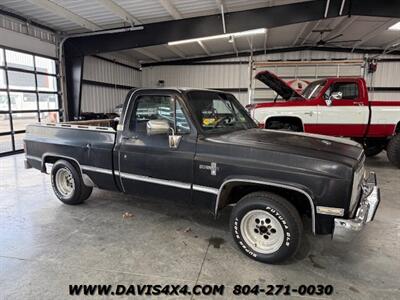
(313, 89)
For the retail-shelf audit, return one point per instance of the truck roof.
(180, 89)
(341, 78)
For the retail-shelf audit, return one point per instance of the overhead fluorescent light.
(395, 26)
(220, 36)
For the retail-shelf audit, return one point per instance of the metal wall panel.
(101, 99)
(103, 71)
(96, 98)
(384, 96)
(224, 76)
(199, 76)
(387, 74)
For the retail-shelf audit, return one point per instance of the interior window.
(349, 90)
(158, 108)
(217, 112)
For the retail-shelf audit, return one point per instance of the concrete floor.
(45, 245)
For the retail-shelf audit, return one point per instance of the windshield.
(219, 112)
(313, 89)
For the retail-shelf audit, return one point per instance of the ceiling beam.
(221, 6)
(66, 14)
(119, 11)
(378, 30)
(250, 42)
(391, 47)
(163, 32)
(266, 41)
(173, 30)
(303, 28)
(342, 7)
(205, 49)
(392, 43)
(312, 27)
(176, 51)
(234, 46)
(171, 9)
(220, 3)
(148, 54)
(342, 26)
(245, 53)
(327, 8)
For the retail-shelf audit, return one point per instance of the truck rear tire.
(266, 227)
(393, 150)
(373, 150)
(68, 184)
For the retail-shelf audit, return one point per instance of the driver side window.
(349, 90)
(158, 108)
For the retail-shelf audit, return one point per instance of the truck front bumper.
(346, 229)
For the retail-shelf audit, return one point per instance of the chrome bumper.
(346, 229)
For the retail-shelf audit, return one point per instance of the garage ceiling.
(75, 16)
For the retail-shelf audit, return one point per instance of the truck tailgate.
(90, 147)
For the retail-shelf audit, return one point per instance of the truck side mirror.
(174, 140)
(333, 96)
(154, 127)
(337, 95)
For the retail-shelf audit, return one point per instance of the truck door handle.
(359, 103)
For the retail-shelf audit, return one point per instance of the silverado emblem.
(213, 168)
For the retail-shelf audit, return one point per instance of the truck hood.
(310, 145)
(278, 85)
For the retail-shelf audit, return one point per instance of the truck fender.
(261, 182)
(46, 159)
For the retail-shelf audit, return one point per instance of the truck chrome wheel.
(68, 184)
(65, 182)
(262, 231)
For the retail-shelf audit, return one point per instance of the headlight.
(356, 190)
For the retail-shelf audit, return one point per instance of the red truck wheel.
(393, 150)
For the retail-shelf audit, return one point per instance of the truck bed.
(89, 147)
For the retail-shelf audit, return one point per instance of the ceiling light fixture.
(220, 36)
(395, 26)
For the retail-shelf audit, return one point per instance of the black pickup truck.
(202, 146)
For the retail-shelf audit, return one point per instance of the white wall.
(234, 76)
(199, 76)
(230, 77)
(97, 98)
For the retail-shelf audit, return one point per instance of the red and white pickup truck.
(336, 107)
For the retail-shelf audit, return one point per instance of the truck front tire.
(373, 147)
(393, 150)
(68, 184)
(266, 227)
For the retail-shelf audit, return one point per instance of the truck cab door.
(344, 111)
(148, 163)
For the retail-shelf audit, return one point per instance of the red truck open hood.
(278, 85)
